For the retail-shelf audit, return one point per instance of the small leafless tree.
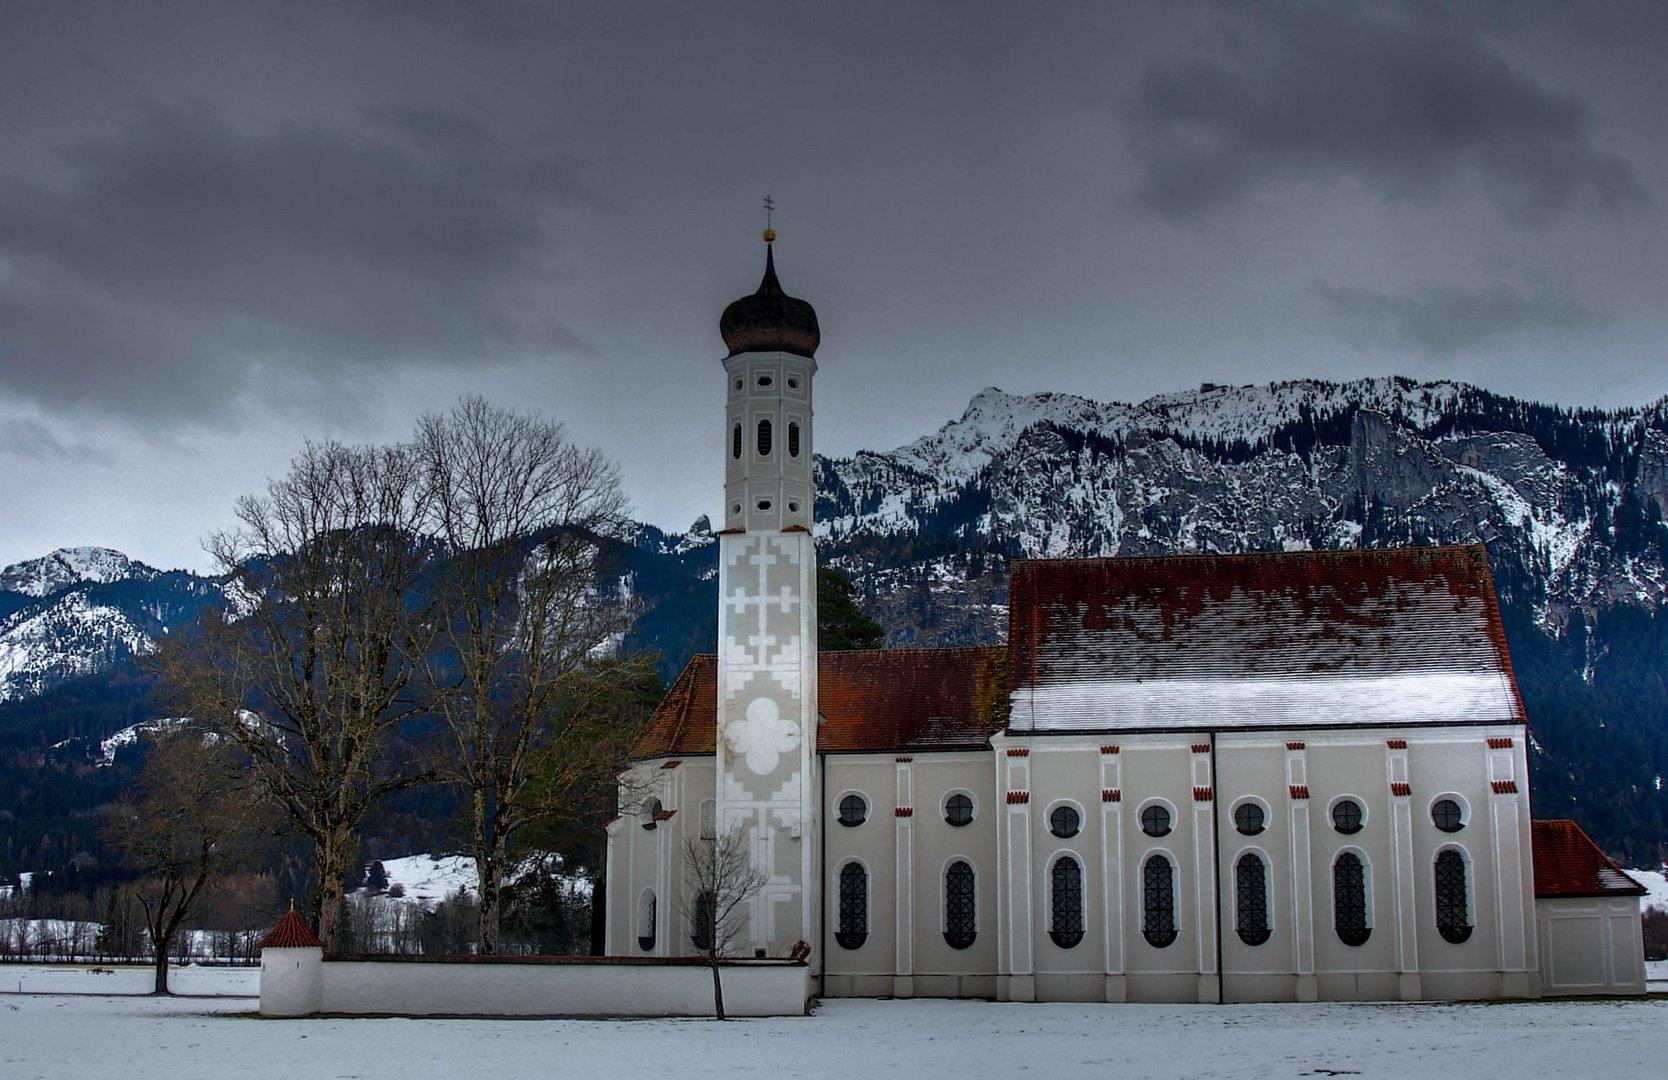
(315, 663)
(721, 880)
(523, 515)
(197, 811)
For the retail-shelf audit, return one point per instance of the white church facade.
(1298, 776)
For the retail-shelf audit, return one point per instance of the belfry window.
(1158, 902)
(1453, 906)
(854, 906)
(1065, 906)
(764, 437)
(793, 439)
(1349, 899)
(961, 915)
(1251, 899)
(735, 442)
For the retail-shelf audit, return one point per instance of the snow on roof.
(1304, 639)
(1568, 863)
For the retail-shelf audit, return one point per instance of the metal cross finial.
(770, 207)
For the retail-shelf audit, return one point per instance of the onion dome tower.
(767, 612)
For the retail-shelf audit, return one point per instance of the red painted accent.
(1018, 798)
(904, 759)
(1504, 787)
(291, 932)
(1568, 863)
(1109, 748)
(1111, 794)
(671, 764)
(1396, 744)
(1295, 746)
(1402, 790)
(664, 815)
(904, 811)
(1500, 744)
(1202, 794)
(1019, 751)
(1201, 748)
(1298, 791)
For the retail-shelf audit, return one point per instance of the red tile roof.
(870, 700)
(291, 932)
(1568, 863)
(1219, 640)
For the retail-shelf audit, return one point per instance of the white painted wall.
(1590, 946)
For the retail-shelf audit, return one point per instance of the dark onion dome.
(770, 320)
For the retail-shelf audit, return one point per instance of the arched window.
(645, 920)
(958, 809)
(651, 813)
(1453, 906)
(735, 442)
(854, 810)
(1251, 899)
(854, 906)
(1349, 899)
(701, 933)
(1066, 902)
(1064, 821)
(1158, 901)
(793, 439)
(961, 915)
(764, 437)
(709, 819)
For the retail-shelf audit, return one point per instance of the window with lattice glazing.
(1066, 902)
(854, 810)
(1251, 899)
(701, 933)
(961, 916)
(1453, 907)
(1158, 902)
(854, 906)
(645, 920)
(1349, 899)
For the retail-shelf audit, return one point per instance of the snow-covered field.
(174, 1039)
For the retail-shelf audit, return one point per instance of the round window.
(958, 809)
(1155, 820)
(1447, 815)
(1064, 822)
(854, 810)
(1346, 816)
(1249, 818)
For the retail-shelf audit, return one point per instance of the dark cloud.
(1405, 105)
(32, 441)
(173, 267)
(1445, 321)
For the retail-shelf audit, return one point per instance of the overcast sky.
(227, 228)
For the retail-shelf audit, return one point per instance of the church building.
(1275, 777)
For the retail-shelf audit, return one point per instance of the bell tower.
(767, 610)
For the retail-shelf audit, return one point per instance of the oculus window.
(854, 810)
(958, 809)
(1155, 820)
(1347, 816)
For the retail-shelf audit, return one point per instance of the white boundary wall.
(1590, 946)
(534, 987)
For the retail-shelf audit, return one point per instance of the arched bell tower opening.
(767, 618)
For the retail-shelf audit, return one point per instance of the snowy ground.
(175, 1039)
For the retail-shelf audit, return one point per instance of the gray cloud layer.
(1404, 105)
(1443, 321)
(180, 264)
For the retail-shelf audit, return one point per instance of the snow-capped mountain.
(1570, 504)
(70, 566)
(81, 611)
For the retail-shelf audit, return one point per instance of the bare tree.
(315, 666)
(197, 812)
(721, 880)
(523, 514)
